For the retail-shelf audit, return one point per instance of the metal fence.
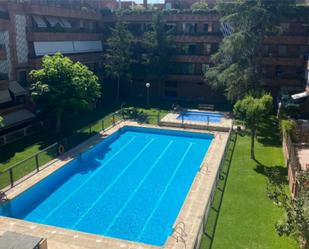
(228, 151)
(33, 164)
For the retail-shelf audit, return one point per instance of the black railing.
(28, 167)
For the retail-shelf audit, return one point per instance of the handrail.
(20, 162)
(36, 155)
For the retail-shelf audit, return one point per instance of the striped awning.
(5, 96)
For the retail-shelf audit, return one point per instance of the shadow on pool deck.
(210, 226)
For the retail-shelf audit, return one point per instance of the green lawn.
(85, 125)
(242, 216)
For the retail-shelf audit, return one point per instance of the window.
(205, 68)
(172, 50)
(192, 49)
(170, 94)
(189, 28)
(278, 71)
(170, 27)
(22, 78)
(207, 48)
(265, 51)
(188, 49)
(172, 84)
(183, 68)
(303, 51)
(206, 27)
(188, 68)
(214, 47)
(282, 50)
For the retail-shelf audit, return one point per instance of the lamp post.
(147, 86)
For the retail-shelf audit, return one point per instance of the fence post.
(37, 163)
(158, 118)
(11, 177)
(182, 121)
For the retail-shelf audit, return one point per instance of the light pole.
(147, 86)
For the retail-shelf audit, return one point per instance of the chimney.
(145, 4)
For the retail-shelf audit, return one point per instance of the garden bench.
(206, 107)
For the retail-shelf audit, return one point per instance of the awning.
(65, 23)
(300, 95)
(16, 88)
(5, 96)
(17, 117)
(40, 21)
(53, 21)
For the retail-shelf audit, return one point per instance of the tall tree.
(156, 41)
(251, 111)
(246, 23)
(118, 56)
(62, 87)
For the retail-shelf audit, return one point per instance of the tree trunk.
(118, 90)
(252, 144)
(58, 122)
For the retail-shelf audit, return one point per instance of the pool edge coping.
(192, 206)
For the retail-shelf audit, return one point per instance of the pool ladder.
(204, 168)
(179, 232)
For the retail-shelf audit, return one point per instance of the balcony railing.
(64, 30)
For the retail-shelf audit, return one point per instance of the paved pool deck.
(191, 213)
(171, 120)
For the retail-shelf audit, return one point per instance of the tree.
(118, 56)
(252, 111)
(62, 87)
(1, 121)
(156, 44)
(199, 6)
(246, 23)
(296, 221)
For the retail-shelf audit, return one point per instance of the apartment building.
(197, 36)
(30, 29)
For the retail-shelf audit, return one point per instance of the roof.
(17, 117)
(16, 88)
(5, 96)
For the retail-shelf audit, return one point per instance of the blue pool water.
(210, 117)
(130, 186)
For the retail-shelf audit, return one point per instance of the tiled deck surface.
(171, 120)
(303, 156)
(191, 213)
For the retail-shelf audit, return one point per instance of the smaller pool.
(211, 117)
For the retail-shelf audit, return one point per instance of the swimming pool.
(130, 186)
(200, 116)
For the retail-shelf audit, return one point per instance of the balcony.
(45, 10)
(191, 58)
(53, 35)
(283, 61)
(283, 82)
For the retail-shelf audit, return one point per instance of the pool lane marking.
(88, 179)
(155, 163)
(164, 192)
(112, 183)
